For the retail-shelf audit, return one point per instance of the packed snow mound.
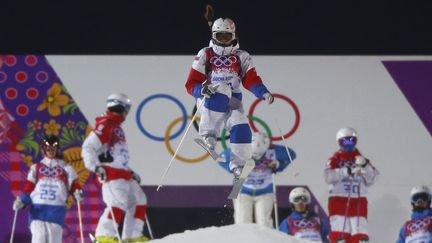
(236, 233)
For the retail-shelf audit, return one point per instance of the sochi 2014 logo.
(226, 61)
(418, 225)
(55, 171)
(305, 224)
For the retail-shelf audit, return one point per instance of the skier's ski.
(247, 169)
(212, 153)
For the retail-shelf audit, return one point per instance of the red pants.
(348, 219)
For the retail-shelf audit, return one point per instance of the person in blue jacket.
(303, 223)
(419, 228)
(256, 197)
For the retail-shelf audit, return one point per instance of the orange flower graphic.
(54, 100)
(37, 125)
(27, 159)
(19, 147)
(52, 128)
(70, 124)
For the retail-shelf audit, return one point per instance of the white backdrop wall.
(330, 92)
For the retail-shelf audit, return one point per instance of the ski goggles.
(46, 146)
(300, 199)
(123, 106)
(348, 141)
(224, 37)
(420, 197)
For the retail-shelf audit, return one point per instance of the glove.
(345, 171)
(357, 171)
(136, 177)
(274, 165)
(101, 173)
(78, 194)
(268, 98)
(360, 161)
(18, 204)
(106, 157)
(209, 90)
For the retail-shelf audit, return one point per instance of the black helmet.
(49, 142)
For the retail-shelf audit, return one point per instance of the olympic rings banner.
(167, 137)
(387, 100)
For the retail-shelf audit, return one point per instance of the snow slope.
(236, 233)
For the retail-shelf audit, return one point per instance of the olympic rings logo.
(218, 61)
(183, 120)
(303, 224)
(419, 224)
(51, 172)
(293, 106)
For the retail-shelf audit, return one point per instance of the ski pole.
(148, 227)
(358, 206)
(112, 212)
(348, 204)
(201, 103)
(13, 226)
(274, 185)
(80, 221)
(283, 139)
(275, 205)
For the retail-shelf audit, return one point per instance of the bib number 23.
(48, 194)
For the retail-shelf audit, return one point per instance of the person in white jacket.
(349, 175)
(105, 152)
(48, 186)
(217, 74)
(256, 197)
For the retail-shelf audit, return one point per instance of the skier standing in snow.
(48, 186)
(256, 196)
(349, 175)
(216, 74)
(303, 223)
(105, 152)
(419, 228)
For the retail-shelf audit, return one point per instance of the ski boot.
(104, 239)
(137, 240)
(208, 143)
(240, 174)
(237, 172)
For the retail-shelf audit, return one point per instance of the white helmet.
(119, 99)
(420, 190)
(260, 144)
(223, 25)
(345, 132)
(299, 192)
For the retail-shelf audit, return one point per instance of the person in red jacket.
(105, 152)
(217, 74)
(349, 175)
